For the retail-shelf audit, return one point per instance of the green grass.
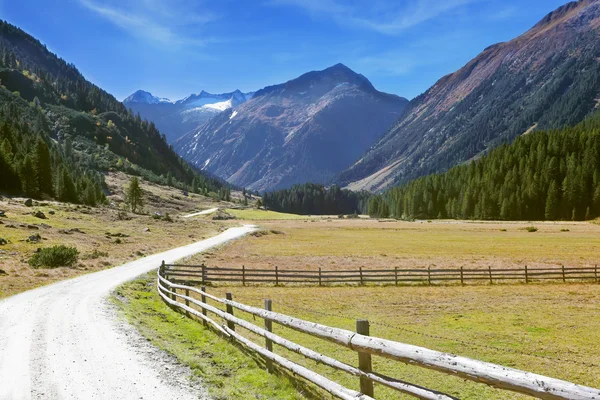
(262, 215)
(226, 370)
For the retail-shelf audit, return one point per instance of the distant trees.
(543, 175)
(133, 195)
(314, 199)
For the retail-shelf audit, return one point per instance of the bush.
(565, 230)
(54, 257)
(531, 229)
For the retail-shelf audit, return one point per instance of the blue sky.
(176, 47)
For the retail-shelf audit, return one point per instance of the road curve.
(62, 341)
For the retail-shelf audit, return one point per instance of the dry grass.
(18, 276)
(548, 329)
(341, 244)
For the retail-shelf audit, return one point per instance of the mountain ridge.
(543, 79)
(178, 117)
(307, 128)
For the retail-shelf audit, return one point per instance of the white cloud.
(386, 17)
(153, 20)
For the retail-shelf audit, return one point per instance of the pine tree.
(44, 167)
(29, 176)
(551, 209)
(133, 195)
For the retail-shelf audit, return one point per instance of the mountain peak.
(144, 97)
(328, 78)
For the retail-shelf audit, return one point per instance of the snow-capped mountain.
(146, 98)
(176, 118)
(305, 130)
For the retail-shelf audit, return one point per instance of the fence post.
(230, 324)
(462, 280)
(276, 276)
(364, 359)
(187, 302)
(526, 275)
(396, 275)
(203, 273)
(203, 300)
(319, 277)
(563, 274)
(243, 275)
(429, 275)
(596, 273)
(361, 277)
(268, 342)
(490, 271)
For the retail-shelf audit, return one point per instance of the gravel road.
(205, 212)
(63, 341)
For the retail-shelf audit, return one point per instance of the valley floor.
(550, 329)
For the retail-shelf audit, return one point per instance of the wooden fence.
(396, 276)
(185, 298)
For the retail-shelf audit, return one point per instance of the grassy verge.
(227, 370)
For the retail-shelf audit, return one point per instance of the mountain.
(547, 78)
(307, 129)
(59, 133)
(176, 118)
(144, 98)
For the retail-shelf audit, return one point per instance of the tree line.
(544, 175)
(315, 199)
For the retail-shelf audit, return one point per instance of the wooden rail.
(395, 276)
(182, 297)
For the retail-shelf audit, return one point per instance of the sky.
(173, 48)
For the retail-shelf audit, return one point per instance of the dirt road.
(63, 341)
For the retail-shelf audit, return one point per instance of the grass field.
(254, 214)
(139, 235)
(551, 329)
(548, 329)
(340, 244)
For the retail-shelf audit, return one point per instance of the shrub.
(54, 257)
(502, 230)
(531, 229)
(565, 230)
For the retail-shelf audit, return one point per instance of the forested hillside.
(551, 175)
(59, 132)
(313, 199)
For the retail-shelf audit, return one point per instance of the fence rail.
(396, 276)
(184, 297)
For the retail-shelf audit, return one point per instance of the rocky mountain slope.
(546, 78)
(307, 129)
(176, 118)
